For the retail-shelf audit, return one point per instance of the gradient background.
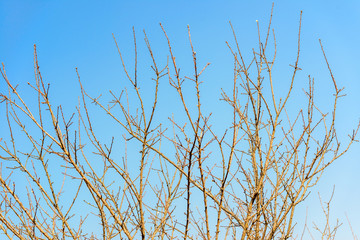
(71, 34)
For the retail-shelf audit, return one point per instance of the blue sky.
(71, 34)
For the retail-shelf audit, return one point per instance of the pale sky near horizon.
(71, 34)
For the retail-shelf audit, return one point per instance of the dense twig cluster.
(188, 182)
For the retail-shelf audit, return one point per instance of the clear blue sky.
(71, 34)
